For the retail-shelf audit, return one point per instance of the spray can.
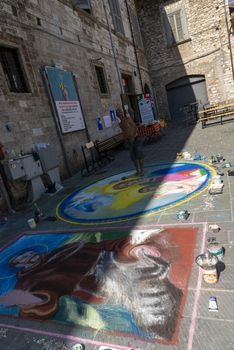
(37, 213)
(213, 306)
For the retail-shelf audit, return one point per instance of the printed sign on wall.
(145, 104)
(66, 100)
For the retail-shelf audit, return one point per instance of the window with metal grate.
(12, 69)
(101, 77)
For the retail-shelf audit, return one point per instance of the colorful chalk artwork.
(122, 197)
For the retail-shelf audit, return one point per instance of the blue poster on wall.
(66, 101)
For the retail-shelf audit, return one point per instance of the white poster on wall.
(107, 121)
(66, 100)
(145, 105)
(70, 115)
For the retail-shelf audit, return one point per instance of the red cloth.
(149, 130)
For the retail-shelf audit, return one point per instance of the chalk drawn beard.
(144, 289)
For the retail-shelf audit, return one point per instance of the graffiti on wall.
(128, 283)
(120, 197)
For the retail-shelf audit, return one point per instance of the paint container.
(186, 155)
(78, 347)
(32, 223)
(182, 215)
(216, 249)
(215, 228)
(213, 306)
(210, 275)
(230, 172)
(216, 188)
(214, 159)
(208, 264)
(217, 180)
(219, 158)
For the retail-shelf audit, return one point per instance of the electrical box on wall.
(13, 169)
(31, 167)
(22, 167)
(48, 158)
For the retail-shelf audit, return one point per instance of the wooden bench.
(104, 147)
(214, 113)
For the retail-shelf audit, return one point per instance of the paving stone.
(213, 331)
(213, 216)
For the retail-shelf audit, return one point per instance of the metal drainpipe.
(134, 45)
(229, 39)
(113, 50)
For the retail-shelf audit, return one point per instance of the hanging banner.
(65, 98)
(146, 108)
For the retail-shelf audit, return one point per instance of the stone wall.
(206, 52)
(49, 33)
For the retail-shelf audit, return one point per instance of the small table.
(149, 131)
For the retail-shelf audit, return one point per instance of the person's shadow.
(220, 265)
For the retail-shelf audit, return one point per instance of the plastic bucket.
(216, 249)
(208, 264)
(32, 223)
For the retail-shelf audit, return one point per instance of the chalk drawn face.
(131, 283)
(119, 198)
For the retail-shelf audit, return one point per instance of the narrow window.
(175, 24)
(14, 10)
(136, 29)
(12, 68)
(231, 7)
(38, 21)
(83, 4)
(116, 16)
(101, 77)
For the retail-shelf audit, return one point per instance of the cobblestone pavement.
(200, 329)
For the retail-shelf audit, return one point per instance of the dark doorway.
(184, 91)
(129, 97)
(147, 89)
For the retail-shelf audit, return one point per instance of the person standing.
(135, 143)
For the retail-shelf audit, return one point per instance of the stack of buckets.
(208, 262)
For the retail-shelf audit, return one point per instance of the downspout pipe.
(134, 45)
(229, 37)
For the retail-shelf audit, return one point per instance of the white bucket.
(217, 180)
(32, 223)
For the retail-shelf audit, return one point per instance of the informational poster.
(145, 104)
(107, 121)
(65, 98)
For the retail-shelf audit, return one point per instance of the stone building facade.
(188, 44)
(76, 36)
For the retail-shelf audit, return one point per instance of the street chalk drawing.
(131, 283)
(122, 197)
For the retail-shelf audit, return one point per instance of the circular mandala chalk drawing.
(123, 197)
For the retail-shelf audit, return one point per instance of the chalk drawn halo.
(116, 198)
